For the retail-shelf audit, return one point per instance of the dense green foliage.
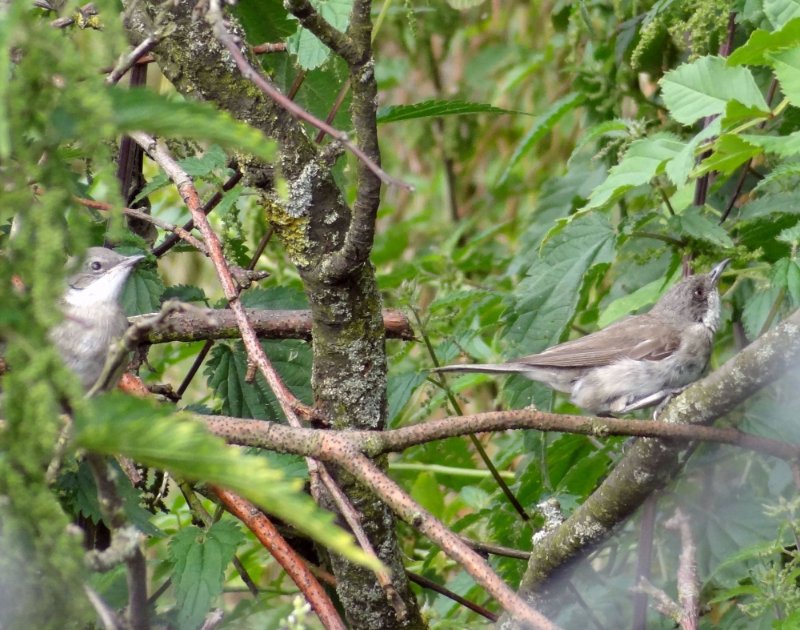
(557, 150)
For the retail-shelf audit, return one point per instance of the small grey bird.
(636, 362)
(93, 318)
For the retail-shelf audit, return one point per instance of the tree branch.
(337, 41)
(209, 323)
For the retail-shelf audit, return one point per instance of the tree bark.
(349, 374)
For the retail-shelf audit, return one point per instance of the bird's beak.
(716, 272)
(131, 261)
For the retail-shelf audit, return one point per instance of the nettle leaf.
(729, 153)
(704, 87)
(311, 52)
(632, 302)
(643, 160)
(787, 202)
(541, 127)
(227, 367)
(787, 69)
(695, 225)
(547, 298)
(781, 12)
(784, 146)
(144, 110)
(184, 293)
(151, 434)
(275, 298)
(213, 160)
(762, 43)
(399, 388)
(199, 559)
(142, 292)
(437, 108)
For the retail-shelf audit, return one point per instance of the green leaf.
(8, 22)
(627, 304)
(761, 43)
(696, 225)
(547, 298)
(541, 127)
(435, 109)
(781, 12)
(144, 110)
(616, 128)
(184, 293)
(275, 298)
(213, 159)
(142, 292)
(428, 494)
(310, 51)
(787, 202)
(704, 87)
(729, 152)
(199, 559)
(152, 435)
(787, 70)
(784, 146)
(399, 388)
(643, 160)
(227, 367)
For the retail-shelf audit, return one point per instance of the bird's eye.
(698, 292)
(95, 265)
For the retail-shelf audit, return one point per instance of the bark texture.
(314, 225)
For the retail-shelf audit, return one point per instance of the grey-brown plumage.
(93, 318)
(636, 362)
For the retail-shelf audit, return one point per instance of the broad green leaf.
(227, 367)
(698, 226)
(437, 108)
(782, 178)
(142, 292)
(199, 560)
(541, 127)
(643, 160)
(627, 304)
(399, 388)
(781, 12)
(428, 494)
(213, 159)
(787, 70)
(729, 152)
(680, 167)
(787, 202)
(784, 146)
(264, 20)
(275, 298)
(152, 435)
(545, 301)
(737, 114)
(311, 52)
(704, 87)
(184, 293)
(762, 43)
(144, 110)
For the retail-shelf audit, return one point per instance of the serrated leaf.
(227, 367)
(784, 203)
(729, 153)
(541, 127)
(153, 435)
(757, 309)
(761, 43)
(437, 108)
(143, 291)
(275, 298)
(704, 87)
(643, 160)
(310, 51)
(627, 304)
(144, 110)
(780, 12)
(695, 225)
(784, 146)
(212, 160)
(399, 388)
(547, 298)
(184, 293)
(787, 69)
(199, 560)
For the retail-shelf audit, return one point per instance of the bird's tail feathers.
(501, 368)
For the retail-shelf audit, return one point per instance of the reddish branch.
(269, 536)
(250, 73)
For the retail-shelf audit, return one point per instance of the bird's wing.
(636, 337)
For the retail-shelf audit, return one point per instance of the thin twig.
(126, 62)
(433, 586)
(250, 73)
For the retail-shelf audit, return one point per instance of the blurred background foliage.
(555, 191)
